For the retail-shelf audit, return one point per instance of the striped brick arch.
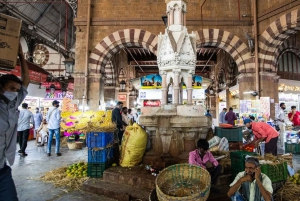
(273, 37)
(119, 40)
(287, 46)
(230, 43)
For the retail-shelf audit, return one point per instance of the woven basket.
(75, 145)
(183, 182)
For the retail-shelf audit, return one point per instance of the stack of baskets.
(183, 182)
(100, 152)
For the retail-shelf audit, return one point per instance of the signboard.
(152, 81)
(151, 103)
(196, 94)
(150, 94)
(33, 75)
(122, 97)
(48, 84)
(58, 94)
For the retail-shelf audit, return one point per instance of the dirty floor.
(26, 170)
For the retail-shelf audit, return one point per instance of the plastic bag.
(223, 145)
(133, 146)
(214, 141)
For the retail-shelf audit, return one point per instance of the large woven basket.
(183, 182)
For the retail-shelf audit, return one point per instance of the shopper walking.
(117, 119)
(25, 118)
(281, 123)
(263, 132)
(53, 118)
(38, 117)
(12, 93)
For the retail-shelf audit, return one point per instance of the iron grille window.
(289, 62)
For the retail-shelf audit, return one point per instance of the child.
(43, 132)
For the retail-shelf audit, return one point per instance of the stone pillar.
(246, 84)
(117, 93)
(164, 87)
(176, 88)
(269, 88)
(94, 81)
(189, 88)
(228, 98)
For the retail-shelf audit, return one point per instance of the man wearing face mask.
(263, 132)
(251, 184)
(281, 123)
(12, 93)
(53, 118)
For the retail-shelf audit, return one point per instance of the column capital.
(191, 72)
(162, 72)
(177, 71)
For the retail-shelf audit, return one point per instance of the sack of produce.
(133, 146)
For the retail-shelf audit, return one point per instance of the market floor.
(26, 170)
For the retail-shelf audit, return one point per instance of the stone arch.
(231, 44)
(271, 39)
(286, 46)
(116, 41)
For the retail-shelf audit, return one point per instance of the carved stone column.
(189, 87)
(176, 87)
(164, 87)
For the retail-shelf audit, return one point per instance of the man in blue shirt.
(25, 117)
(53, 118)
(222, 116)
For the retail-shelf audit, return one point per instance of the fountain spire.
(176, 55)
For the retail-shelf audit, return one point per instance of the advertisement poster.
(152, 81)
(265, 106)
(58, 94)
(151, 103)
(196, 82)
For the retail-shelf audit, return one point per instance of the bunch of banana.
(71, 119)
(81, 126)
(77, 114)
(84, 120)
(66, 114)
(88, 113)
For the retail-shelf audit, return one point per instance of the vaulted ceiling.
(49, 21)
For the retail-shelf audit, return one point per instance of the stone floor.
(25, 170)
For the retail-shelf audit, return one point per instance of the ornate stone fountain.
(175, 128)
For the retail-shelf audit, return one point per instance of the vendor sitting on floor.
(203, 158)
(251, 184)
(263, 132)
(42, 132)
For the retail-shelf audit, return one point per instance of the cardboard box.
(9, 41)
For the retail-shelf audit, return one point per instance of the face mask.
(283, 108)
(139, 113)
(57, 106)
(10, 95)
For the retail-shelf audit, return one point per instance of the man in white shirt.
(251, 184)
(281, 123)
(53, 118)
(25, 117)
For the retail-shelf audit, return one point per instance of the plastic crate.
(234, 134)
(95, 170)
(99, 139)
(292, 148)
(238, 161)
(276, 173)
(100, 156)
